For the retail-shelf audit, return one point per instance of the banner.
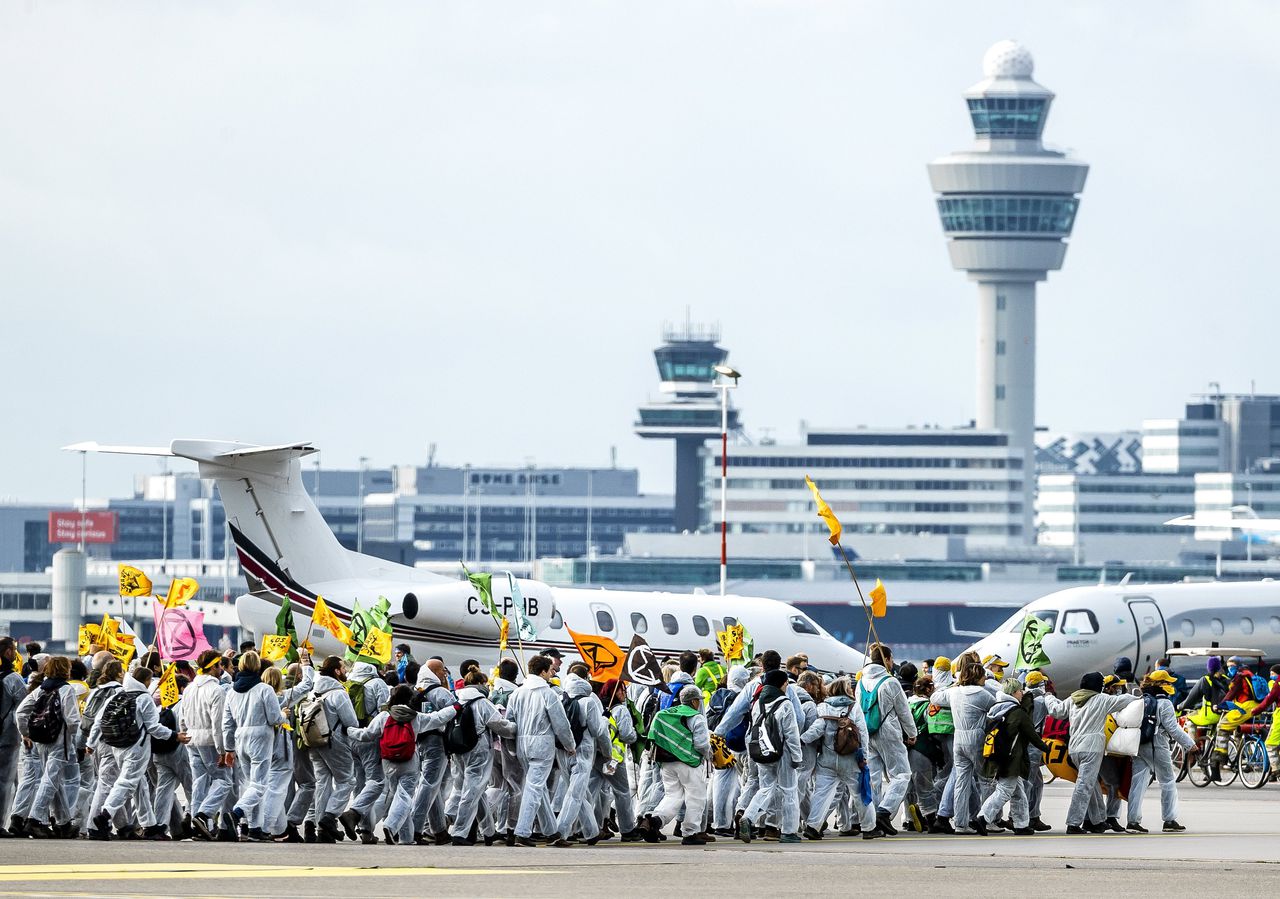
(89, 635)
(641, 665)
(603, 656)
(363, 623)
(730, 642)
(179, 633)
(484, 586)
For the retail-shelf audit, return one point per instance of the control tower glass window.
(1009, 117)
(1049, 215)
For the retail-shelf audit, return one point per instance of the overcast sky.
(381, 225)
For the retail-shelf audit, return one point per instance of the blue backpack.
(669, 694)
(736, 737)
(1260, 687)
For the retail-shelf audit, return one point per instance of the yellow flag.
(730, 640)
(180, 590)
(133, 582)
(825, 513)
(503, 628)
(323, 617)
(122, 651)
(89, 634)
(108, 629)
(879, 600)
(275, 647)
(168, 688)
(376, 646)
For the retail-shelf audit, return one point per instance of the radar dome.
(1008, 59)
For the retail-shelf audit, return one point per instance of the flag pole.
(871, 621)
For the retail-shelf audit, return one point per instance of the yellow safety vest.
(619, 748)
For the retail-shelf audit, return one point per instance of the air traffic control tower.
(688, 410)
(1007, 206)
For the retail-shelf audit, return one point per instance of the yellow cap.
(942, 663)
(1162, 679)
(1035, 678)
(994, 661)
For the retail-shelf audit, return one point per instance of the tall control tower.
(1007, 206)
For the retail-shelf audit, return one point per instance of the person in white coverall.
(541, 726)
(1087, 710)
(578, 810)
(333, 764)
(53, 756)
(473, 813)
(280, 773)
(203, 704)
(887, 752)
(368, 766)
(249, 722)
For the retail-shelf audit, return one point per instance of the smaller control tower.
(688, 410)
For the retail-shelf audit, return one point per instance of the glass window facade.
(1008, 117)
(1008, 214)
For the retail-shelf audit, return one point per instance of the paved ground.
(1233, 845)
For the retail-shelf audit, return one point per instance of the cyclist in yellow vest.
(1202, 701)
(1267, 703)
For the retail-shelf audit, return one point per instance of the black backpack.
(1149, 720)
(764, 738)
(119, 724)
(45, 724)
(169, 720)
(460, 733)
(577, 717)
(721, 699)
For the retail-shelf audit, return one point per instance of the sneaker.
(101, 829)
(328, 827)
(1096, 828)
(1075, 830)
(744, 830)
(632, 836)
(883, 822)
(1173, 827)
(290, 835)
(461, 841)
(697, 840)
(980, 826)
(388, 837)
(1113, 824)
(648, 828)
(40, 830)
(941, 825)
(998, 827)
(811, 834)
(965, 832)
(789, 838)
(1040, 826)
(1135, 827)
(853, 831)
(203, 826)
(155, 832)
(872, 834)
(1024, 831)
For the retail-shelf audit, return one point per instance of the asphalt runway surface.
(1232, 845)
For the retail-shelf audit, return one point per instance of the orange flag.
(879, 600)
(824, 512)
(603, 656)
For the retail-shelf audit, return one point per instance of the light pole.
(364, 460)
(1248, 541)
(724, 387)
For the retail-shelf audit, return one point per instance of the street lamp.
(724, 387)
(364, 460)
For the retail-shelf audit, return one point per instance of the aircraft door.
(1152, 639)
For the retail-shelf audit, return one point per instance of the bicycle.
(1253, 764)
(1197, 761)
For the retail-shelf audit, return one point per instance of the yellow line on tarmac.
(160, 871)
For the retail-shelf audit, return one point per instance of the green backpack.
(355, 691)
(670, 735)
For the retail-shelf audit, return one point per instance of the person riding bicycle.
(1201, 704)
(1272, 742)
(1237, 705)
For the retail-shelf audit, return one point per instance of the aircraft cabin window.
(1275, 625)
(639, 624)
(700, 626)
(730, 621)
(669, 624)
(1048, 616)
(1188, 628)
(557, 621)
(1215, 626)
(1079, 621)
(802, 625)
(1246, 625)
(604, 621)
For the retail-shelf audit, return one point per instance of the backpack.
(736, 737)
(1259, 685)
(119, 722)
(721, 699)
(847, 740)
(870, 702)
(169, 720)
(460, 733)
(355, 691)
(940, 721)
(97, 699)
(1147, 732)
(398, 741)
(671, 737)
(313, 722)
(642, 734)
(577, 718)
(764, 737)
(45, 724)
(670, 695)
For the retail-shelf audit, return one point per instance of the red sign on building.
(99, 527)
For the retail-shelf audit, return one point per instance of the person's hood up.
(839, 702)
(362, 671)
(401, 713)
(245, 681)
(575, 686)
(738, 677)
(1080, 697)
(534, 682)
(466, 694)
(427, 678)
(324, 683)
(501, 684)
(133, 685)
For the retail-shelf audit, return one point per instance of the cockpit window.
(1013, 625)
(802, 625)
(1079, 621)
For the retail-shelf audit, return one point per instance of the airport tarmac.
(1232, 845)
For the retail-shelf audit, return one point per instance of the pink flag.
(179, 633)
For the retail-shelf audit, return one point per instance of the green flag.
(285, 628)
(484, 586)
(364, 621)
(1030, 652)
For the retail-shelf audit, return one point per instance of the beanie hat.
(1092, 681)
(1213, 665)
(776, 678)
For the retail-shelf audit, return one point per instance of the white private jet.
(287, 549)
(1241, 518)
(1090, 627)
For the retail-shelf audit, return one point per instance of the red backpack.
(398, 742)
